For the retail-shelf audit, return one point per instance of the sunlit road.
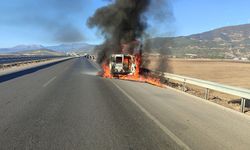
(65, 106)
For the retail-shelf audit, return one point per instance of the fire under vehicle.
(127, 65)
(122, 64)
(126, 62)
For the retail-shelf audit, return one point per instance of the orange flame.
(106, 71)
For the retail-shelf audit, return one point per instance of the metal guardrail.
(3, 66)
(33, 60)
(241, 92)
(7, 59)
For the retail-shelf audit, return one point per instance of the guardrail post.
(206, 93)
(243, 105)
(184, 86)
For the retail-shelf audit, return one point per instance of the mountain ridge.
(40, 52)
(225, 42)
(62, 48)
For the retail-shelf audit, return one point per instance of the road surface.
(66, 106)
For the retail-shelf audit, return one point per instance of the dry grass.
(225, 72)
(229, 73)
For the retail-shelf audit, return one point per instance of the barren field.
(220, 71)
(225, 72)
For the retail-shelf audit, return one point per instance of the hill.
(226, 42)
(41, 52)
(63, 48)
(21, 48)
(74, 47)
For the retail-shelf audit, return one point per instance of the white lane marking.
(94, 64)
(47, 83)
(155, 120)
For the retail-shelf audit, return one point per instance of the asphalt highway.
(66, 106)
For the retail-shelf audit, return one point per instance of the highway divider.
(21, 62)
(11, 73)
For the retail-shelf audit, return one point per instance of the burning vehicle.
(122, 64)
(126, 62)
(123, 23)
(127, 66)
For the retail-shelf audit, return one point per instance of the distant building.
(244, 59)
(241, 58)
(191, 55)
(236, 58)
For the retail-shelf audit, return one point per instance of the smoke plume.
(120, 22)
(124, 21)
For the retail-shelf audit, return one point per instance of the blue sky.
(50, 22)
(194, 16)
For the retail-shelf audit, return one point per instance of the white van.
(123, 64)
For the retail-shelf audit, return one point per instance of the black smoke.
(120, 22)
(68, 33)
(124, 21)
